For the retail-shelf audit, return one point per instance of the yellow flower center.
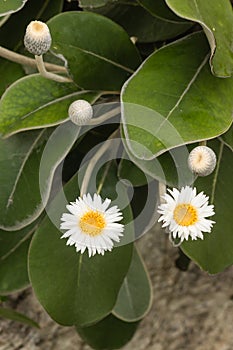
(92, 223)
(185, 214)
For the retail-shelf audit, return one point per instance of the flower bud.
(80, 112)
(202, 160)
(37, 39)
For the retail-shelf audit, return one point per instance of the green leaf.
(166, 24)
(51, 263)
(160, 9)
(93, 3)
(170, 168)
(13, 259)
(35, 102)
(215, 252)
(135, 296)
(28, 165)
(110, 333)
(9, 73)
(16, 316)
(13, 269)
(140, 22)
(216, 18)
(127, 170)
(19, 161)
(180, 100)
(100, 55)
(10, 6)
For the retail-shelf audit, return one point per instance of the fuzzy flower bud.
(37, 39)
(80, 112)
(202, 160)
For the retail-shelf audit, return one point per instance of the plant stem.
(44, 73)
(27, 61)
(4, 19)
(104, 177)
(203, 143)
(93, 162)
(105, 116)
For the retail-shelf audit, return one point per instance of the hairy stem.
(105, 116)
(93, 162)
(203, 143)
(45, 74)
(27, 61)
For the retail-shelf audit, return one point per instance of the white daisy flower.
(184, 213)
(91, 225)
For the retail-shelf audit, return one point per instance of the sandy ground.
(191, 310)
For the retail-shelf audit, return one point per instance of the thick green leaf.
(216, 18)
(13, 259)
(9, 73)
(10, 6)
(160, 9)
(110, 333)
(215, 252)
(28, 165)
(141, 22)
(180, 100)
(127, 170)
(34, 102)
(19, 178)
(168, 25)
(100, 55)
(51, 263)
(13, 268)
(16, 316)
(169, 168)
(135, 296)
(93, 3)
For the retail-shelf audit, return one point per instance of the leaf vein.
(129, 70)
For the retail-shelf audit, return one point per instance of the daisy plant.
(108, 128)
